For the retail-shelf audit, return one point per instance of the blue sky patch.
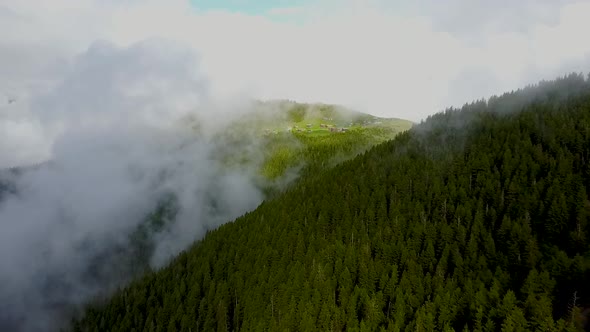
(251, 7)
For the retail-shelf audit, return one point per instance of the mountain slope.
(475, 220)
(198, 179)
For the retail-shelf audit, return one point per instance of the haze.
(405, 59)
(103, 95)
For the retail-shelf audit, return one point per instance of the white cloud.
(405, 60)
(120, 141)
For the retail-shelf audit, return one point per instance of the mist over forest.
(197, 165)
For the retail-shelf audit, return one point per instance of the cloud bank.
(408, 59)
(123, 123)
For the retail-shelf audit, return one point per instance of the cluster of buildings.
(308, 128)
(338, 130)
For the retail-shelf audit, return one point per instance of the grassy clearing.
(321, 148)
(309, 137)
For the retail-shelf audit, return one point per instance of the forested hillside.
(475, 220)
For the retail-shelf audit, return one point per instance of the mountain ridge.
(466, 222)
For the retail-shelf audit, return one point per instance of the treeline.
(475, 220)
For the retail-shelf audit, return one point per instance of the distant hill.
(304, 138)
(476, 219)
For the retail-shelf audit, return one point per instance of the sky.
(406, 59)
(260, 7)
